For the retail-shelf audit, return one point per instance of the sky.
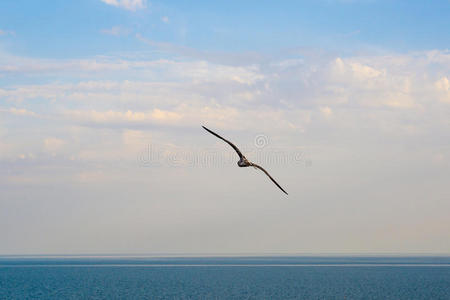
(345, 102)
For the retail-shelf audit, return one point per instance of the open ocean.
(225, 278)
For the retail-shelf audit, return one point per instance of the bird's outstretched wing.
(230, 143)
(273, 180)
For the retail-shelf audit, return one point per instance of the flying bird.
(243, 161)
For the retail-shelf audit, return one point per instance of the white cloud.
(326, 111)
(18, 111)
(443, 87)
(165, 19)
(132, 5)
(287, 94)
(386, 82)
(53, 144)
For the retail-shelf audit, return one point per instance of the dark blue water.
(226, 278)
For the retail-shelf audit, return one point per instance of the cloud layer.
(82, 125)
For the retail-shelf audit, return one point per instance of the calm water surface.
(225, 278)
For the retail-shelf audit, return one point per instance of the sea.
(255, 277)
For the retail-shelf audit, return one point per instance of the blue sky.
(346, 103)
(73, 29)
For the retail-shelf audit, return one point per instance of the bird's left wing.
(227, 141)
(273, 180)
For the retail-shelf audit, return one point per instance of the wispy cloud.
(165, 19)
(27, 66)
(132, 5)
(6, 32)
(128, 117)
(350, 34)
(443, 87)
(18, 111)
(115, 30)
(239, 59)
(53, 144)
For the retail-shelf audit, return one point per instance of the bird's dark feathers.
(242, 158)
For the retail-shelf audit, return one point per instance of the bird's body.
(243, 161)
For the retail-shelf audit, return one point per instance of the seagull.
(243, 161)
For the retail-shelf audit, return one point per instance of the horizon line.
(236, 254)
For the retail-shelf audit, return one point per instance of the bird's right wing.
(273, 180)
(229, 143)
